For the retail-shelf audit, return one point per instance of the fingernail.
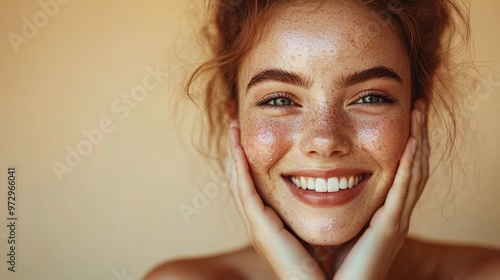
(234, 124)
(414, 145)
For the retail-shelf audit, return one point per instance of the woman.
(329, 104)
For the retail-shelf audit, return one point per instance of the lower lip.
(326, 198)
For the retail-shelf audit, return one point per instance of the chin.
(325, 231)
(325, 219)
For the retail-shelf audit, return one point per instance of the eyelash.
(265, 100)
(385, 98)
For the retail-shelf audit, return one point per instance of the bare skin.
(416, 260)
(320, 100)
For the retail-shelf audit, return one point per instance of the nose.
(326, 135)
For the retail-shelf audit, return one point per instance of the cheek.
(385, 140)
(264, 142)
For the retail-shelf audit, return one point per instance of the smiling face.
(324, 114)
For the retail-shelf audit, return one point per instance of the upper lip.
(327, 173)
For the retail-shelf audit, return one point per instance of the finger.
(233, 181)
(421, 164)
(421, 105)
(425, 150)
(415, 183)
(232, 177)
(247, 194)
(398, 193)
(416, 131)
(231, 171)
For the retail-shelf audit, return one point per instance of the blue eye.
(375, 98)
(276, 100)
(281, 101)
(371, 99)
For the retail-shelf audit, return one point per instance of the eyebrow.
(379, 72)
(280, 75)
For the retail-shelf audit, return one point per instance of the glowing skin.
(325, 128)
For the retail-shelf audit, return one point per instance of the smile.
(322, 185)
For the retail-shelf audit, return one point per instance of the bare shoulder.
(472, 261)
(421, 259)
(240, 264)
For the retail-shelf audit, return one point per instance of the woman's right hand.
(288, 258)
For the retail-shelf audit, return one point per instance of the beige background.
(116, 214)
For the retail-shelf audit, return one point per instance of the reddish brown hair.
(432, 30)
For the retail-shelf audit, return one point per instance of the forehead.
(336, 36)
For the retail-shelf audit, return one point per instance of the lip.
(327, 199)
(327, 173)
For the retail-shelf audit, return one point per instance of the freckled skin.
(325, 128)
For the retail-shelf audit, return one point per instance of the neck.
(328, 257)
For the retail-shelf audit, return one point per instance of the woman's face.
(324, 106)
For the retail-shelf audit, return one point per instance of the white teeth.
(310, 184)
(303, 183)
(333, 184)
(322, 185)
(350, 183)
(343, 184)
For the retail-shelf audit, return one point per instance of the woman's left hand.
(371, 256)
